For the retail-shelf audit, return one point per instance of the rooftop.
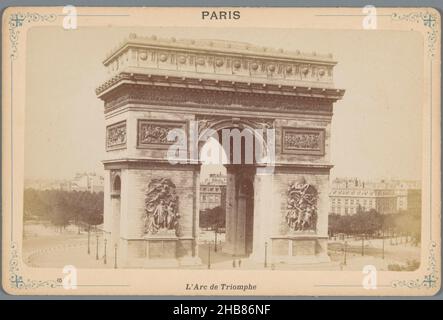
(217, 46)
(219, 65)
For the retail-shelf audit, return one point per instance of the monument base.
(228, 248)
(159, 250)
(301, 259)
(161, 263)
(299, 249)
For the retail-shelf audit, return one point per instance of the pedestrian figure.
(239, 263)
(233, 264)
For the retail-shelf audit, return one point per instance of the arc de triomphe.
(151, 208)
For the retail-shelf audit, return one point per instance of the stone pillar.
(116, 212)
(107, 209)
(295, 240)
(231, 213)
(196, 223)
(263, 204)
(240, 226)
(238, 193)
(194, 259)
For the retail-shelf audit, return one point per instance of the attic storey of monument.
(166, 97)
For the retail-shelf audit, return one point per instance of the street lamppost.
(344, 251)
(104, 258)
(383, 244)
(209, 255)
(363, 245)
(215, 239)
(115, 256)
(89, 239)
(96, 249)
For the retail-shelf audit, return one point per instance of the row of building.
(349, 196)
(90, 182)
(213, 191)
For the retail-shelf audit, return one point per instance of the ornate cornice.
(218, 85)
(192, 93)
(280, 167)
(143, 163)
(315, 168)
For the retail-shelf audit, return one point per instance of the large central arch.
(158, 85)
(239, 238)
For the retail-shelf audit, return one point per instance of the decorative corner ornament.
(17, 20)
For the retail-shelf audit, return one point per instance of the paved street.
(54, 249)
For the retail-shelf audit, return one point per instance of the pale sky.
(376, 128)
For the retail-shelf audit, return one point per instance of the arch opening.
(228, 167)
(116, 185)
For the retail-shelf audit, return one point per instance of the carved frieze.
(187, 97)
(301, 214)
(251, 67)
(161, 207)
(158, 134)
(116, 136)
(307, 141)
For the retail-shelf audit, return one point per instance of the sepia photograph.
(224, 149)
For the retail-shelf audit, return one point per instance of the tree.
(34, 205)
(94, 210)
(61, 207)
(58, 214)
(339, 224)
(213, 218)
(363, 222)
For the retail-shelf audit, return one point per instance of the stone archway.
(239, 237)
(157, 86)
